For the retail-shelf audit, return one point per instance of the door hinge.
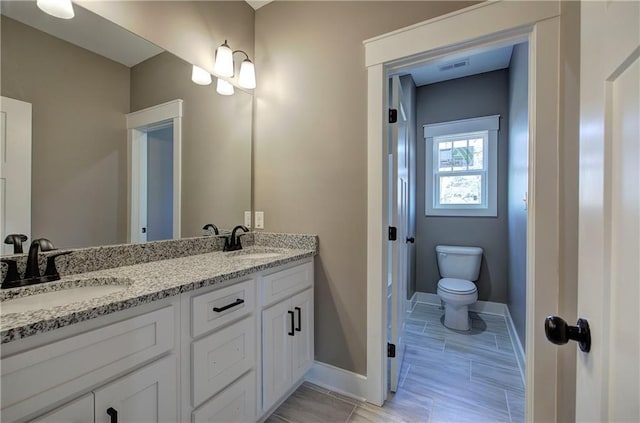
(393, 233)
(391, 350)
(393, 115)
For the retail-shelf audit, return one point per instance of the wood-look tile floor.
(447, 376)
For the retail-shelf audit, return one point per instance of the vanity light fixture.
(224, 87)
(224, 66)
(200, 76)
(62, 9)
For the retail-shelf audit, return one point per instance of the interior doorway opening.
(155, 146)
(452, 202)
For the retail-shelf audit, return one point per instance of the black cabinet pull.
(228, 306)
(113, 413)
(299, 328)
(292, 333)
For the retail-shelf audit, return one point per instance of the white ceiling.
(86, 30)
(476, 62)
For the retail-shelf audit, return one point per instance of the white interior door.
(608, 377)
(15, 169)
(399, 198)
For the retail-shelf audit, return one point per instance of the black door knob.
(411, 240)
(559, 332)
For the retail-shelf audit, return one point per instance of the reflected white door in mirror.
(154, 172)
(15, 169)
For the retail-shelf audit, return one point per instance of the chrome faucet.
(232, 243)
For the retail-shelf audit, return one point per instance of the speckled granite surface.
(83, 260)
(143, 282)
(277, 240)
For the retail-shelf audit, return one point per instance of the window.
(461, 167)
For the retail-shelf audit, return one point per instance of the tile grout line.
(280, 417)
(405, 375)
(350, 414)
(506, 397)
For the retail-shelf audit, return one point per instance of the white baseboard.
(517, 345)
(338, 380)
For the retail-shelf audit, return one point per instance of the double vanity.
(215, 336)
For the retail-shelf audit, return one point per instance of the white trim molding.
(482, 26)
(486, 127)
(338, 380)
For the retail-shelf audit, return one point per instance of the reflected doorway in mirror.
(154, 172)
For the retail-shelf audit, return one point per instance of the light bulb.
(200, 76)
(224, 87)
(224, 61)
(62, 9)
(247, 77)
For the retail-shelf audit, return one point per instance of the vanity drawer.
(280, 285)
(220, 358)
(217, 308)
(236, 404)
(33, 379)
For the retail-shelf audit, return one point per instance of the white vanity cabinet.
(225, 353)
(287, 331)
(146, 395)
(220, 356)
(109, 364)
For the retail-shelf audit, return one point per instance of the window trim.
(491, 124)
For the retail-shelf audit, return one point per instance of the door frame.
(485, 24)
(137, 125)
(15, 158)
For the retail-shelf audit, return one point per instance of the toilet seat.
(457, 286)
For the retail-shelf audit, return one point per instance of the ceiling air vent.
(455, 65)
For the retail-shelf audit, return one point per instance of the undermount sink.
(67, 292)
(241, 255)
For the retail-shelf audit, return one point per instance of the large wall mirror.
(82, 77)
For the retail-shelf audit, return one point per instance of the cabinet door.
(77, 411)
(277, 334)
(235, 404)
(147, 395)
(302, 343)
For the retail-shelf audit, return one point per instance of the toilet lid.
(456, 286)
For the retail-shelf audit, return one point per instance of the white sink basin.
(254, 256)
(50, 299)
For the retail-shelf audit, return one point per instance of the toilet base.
(457, 317)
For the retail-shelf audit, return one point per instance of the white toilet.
(459, 267)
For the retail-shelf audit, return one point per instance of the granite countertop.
(143, 283)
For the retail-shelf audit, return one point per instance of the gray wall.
(310, 147)
(409, 89)
(479, 95)
(79, 140)
(518, 180)
(160, 184)
(216, 141)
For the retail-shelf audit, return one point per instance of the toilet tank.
(459, 262)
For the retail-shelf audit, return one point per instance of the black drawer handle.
(113, 413)
(299, 328)
(228, 306)
(292, 333)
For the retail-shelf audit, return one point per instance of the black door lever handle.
(559, 332)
